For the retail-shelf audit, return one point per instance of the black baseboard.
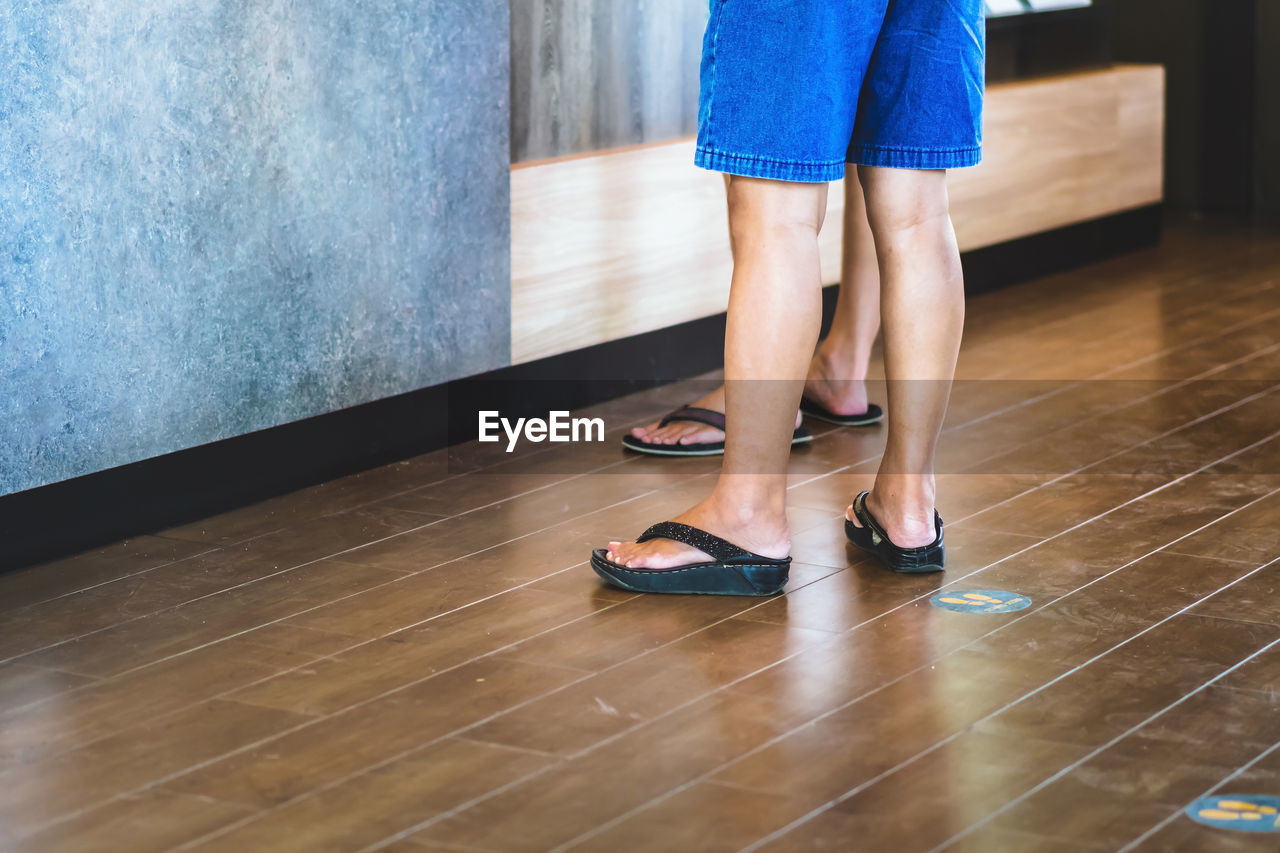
(1060, 250)
(67, 517)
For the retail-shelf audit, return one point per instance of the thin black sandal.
(872, 538)
(709, 417)
(731, 570)
(873, 415)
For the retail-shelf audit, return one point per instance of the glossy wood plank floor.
(418, 658)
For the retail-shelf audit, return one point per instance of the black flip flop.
(710, 448)
(873, 415)
(872, 538)
(731, 570)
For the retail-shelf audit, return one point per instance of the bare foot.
(906, 528)
(828, 385)
(689, 432)
(768, 537)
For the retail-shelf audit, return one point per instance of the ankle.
(906, 496)
(909, 523)
(750, 507)
(713, 401)
(837, 360)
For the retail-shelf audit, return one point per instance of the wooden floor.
(418, 658)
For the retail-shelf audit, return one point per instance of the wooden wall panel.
(628, 241)
(593, 74)
(1062, 150)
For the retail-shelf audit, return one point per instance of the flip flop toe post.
(871, 537)
(730, 571)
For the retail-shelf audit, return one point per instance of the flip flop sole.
(873, 415)
(695, 579)
(860, 538)
(923, 569)
(630, 442)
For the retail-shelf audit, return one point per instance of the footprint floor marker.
(980, 601)
(1241, 812)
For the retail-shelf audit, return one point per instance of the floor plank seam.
(404, 754)
(1259, 320)
(1177, 479)
(1215, 557)
(506, 648)
(1022, 404)
(1095, 753)
(1073, 319)
(1082, 469)
(1208, 792)
(340, 652)
(1157, 289)
(682, 788)
(874, 618)
(92, 587)
(1234, 620)
(333, 655)
(17, 658)
(540, 753)
(850, 630)
(1105, 413)
(436, 520)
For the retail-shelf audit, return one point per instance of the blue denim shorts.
(793, 90)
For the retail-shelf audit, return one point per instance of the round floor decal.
(980, 601)
(1247, 812)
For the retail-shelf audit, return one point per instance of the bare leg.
(923, 307)
(837, 374)
(774, 309)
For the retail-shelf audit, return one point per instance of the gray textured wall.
(592, 74)
(218, 217)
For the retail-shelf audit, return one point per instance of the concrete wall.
(219, 217)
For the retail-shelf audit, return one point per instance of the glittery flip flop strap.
(713, 546)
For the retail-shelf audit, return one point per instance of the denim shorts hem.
(915, 158)
(764, 167)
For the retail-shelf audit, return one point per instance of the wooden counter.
(630, 240)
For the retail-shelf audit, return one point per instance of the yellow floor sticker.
(980, 601)
(1244, 812)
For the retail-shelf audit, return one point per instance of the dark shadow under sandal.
(711, 418)
(731, 570)
(872, 538)
(873, 415)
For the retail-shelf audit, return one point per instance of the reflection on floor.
(418, 658)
